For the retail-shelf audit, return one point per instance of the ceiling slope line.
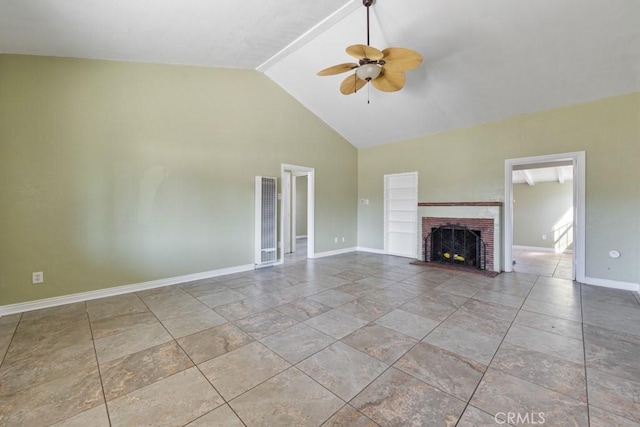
(312, 33)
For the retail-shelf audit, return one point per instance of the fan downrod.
(367, 3)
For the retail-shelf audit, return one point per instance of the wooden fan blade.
(338, 69)
(388, 81)
(399, 59)
(352, 84)
(362, 51)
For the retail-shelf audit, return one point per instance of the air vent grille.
(266, 220)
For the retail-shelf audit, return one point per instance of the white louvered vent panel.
(266, 220)
(269, 199)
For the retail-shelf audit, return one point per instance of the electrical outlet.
(544, 237)
(343, 240)
(335, 240)
(37, 277)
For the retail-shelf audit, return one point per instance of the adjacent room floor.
(350, 340)
(543, 263)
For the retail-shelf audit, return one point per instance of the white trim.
(627, 286)
(579, 171)
(118, 290)
(285, 208)
(371, 250)
(533, 248)
(292, 213)
(336, 252)
(311, 212)
(301, 237)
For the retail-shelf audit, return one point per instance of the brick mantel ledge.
(459, 203)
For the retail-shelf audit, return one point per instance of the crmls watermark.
(516, 418)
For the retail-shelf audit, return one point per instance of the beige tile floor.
(543, 263)
(352, 340)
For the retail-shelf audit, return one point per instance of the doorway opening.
(543, 219)
(298, 182)
(553, 239)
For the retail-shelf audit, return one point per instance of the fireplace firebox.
(456, 245)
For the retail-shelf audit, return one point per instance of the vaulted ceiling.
(533, 176)
(483, 60)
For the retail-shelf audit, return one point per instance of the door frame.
(286, 204)
(578, 159)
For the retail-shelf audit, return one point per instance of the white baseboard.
(371, 250)
(627, 286)
(336, 252)
(117, 290)
(301, 237)
(279, 261)
(533, 248)
(540, 249)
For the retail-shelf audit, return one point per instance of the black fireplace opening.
(456, 245)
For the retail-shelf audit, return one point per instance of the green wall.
(116, 173)
(468, 165)
(545, 208)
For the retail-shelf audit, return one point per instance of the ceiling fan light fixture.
(383, 68)
(368, 72)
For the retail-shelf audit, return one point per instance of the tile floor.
(352, 340)
(543, 263)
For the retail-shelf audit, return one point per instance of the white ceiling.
(224, 33)
(560, 174)
(484, 60)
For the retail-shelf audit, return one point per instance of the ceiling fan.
(384, 69)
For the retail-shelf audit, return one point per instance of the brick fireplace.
(483, 217)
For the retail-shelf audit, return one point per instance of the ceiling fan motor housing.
(364, 61)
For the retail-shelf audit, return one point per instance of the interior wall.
(116, 173)
(468, 165)
(545, 208)
(301, 206)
